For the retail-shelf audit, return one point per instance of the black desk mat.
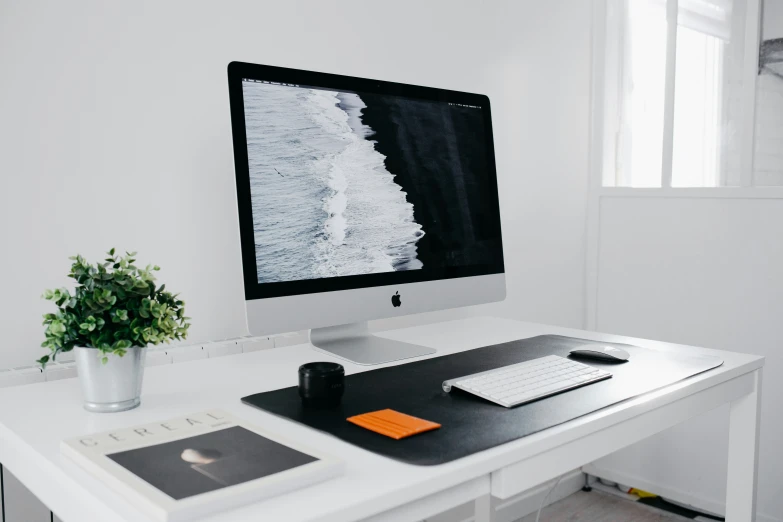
(471, 424)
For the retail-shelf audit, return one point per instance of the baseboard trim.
(708, 505)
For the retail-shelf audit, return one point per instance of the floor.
(598, 506)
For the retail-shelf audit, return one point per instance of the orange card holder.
(393, 423)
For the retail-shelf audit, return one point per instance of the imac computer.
(361, 199)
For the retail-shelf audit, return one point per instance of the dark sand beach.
(441, 173)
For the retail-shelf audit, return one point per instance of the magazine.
(197, 465)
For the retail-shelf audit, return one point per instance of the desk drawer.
(19, 504)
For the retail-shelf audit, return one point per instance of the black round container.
(321, 384)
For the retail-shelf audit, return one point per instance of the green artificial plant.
(114, 306)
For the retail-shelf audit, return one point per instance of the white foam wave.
(352, 104)
(323, 203)
(370, 225)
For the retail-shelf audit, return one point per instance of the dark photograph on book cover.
(209, 462)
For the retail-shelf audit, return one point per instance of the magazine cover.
(197, 465)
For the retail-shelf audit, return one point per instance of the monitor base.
(354, 343)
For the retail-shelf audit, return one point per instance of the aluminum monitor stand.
(354, 342)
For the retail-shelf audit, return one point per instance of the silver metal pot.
(114, 386)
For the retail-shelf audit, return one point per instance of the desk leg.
(743, 456)
(483, 508)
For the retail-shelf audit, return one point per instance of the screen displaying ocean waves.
(323, 203)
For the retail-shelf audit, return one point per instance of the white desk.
(34, 418)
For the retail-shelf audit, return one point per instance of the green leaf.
(43, 360)
(56, 328)
(115, 305)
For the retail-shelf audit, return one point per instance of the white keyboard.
(528, 381)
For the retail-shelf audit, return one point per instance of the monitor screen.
(346, 183)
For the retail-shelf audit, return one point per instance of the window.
(674, 104)
(768, 154)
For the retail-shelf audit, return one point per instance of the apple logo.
(396, 300)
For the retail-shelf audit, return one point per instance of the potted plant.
(114, 313)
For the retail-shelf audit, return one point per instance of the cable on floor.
(543, 501)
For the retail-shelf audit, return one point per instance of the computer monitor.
(361, 199)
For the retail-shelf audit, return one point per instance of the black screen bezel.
(237, 71)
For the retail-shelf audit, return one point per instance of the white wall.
(772, 23)
(115, 130)
(705, 272)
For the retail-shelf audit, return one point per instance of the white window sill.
(701, 192)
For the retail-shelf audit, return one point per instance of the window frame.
(608, 31)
